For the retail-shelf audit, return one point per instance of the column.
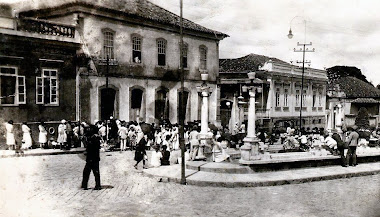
(251, 130)
(204, 112)
(338, 120)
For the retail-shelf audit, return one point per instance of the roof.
(250, 62)
(366, 100)
(140, 8)
(355, 88)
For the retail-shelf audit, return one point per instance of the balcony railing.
(260, 113)
(45, 27)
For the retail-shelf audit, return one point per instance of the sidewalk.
(40, 152)
(202, 177)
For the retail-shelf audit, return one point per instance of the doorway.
(107, 103)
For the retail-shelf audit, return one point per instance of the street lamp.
(303, 49)
(250, 149)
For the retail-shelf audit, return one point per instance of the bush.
(362, 120)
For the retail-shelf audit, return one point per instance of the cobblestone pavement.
(49, 186)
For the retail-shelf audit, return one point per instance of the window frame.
(298, 97)
(278, 97)
(203, 57)
(17, 98)
(136, 47)
(105, 47)
(185, 52)
(50, 77)
(161, 51)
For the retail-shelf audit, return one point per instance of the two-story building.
(134, 70)
(279, 102)
(37, 71)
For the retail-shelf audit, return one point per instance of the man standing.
(342, 148)
(92, 158)
(352, 141)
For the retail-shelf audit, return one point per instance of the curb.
(263, 183)
(42, 154)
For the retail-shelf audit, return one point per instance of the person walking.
(352, 141)
(123, 133)
(42, 136)
(26, 137)
(140, 153)
(10, 136)
(92, 158)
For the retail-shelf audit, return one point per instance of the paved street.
(49, 186)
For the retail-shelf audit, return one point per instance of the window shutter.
(39, 90)
(21, 90)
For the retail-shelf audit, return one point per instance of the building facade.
(279, 102)
(134, 68)
(37, 71)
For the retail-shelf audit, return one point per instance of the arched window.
(162, 104)
(136, 48)
(108, 43)
(203, 57)
(161, 52)
(184, 55)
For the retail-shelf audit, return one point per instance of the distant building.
(351, 94)
(279, 102)
(142, 43)
(37, 70)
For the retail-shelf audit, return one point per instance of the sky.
(343, 32)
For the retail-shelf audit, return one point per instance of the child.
(156, 157)
(123, 137)
(165, 156)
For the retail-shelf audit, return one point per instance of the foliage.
(344, 71)
(362, 120)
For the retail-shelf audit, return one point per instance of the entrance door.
(107, 103)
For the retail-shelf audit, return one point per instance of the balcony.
(260, 113)
(45, 27)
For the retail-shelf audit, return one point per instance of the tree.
(378, 86)
(343, 71)
(362, 120)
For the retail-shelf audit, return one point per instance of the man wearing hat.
(92, 158)
(352, 141)
(342, 147)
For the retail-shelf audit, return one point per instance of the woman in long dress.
(156, 157)
(175, 139)
(219, 151)
(42, 136)
(10, 136)
(62, 136)
(26, 137)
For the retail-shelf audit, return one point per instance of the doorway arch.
(108, 102)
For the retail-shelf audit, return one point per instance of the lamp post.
(303, 49)
(250, 149)
(205, 92)
(182, 110)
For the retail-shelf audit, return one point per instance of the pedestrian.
(10, 136)
(92, 158)
(62, 136)
(140, 153)
(26, 137)
(70, 135)
(123, 137)
(156, 157)
(194, 142)
(42, 136)
(165, 160)
(342, 148)
(132, 137)
(352, 141)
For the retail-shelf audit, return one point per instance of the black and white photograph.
(267, 108)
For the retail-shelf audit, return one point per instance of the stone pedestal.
(250, 150)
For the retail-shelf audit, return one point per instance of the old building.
(134, 47)
(37, 70)
(279, 102)
(346, 95)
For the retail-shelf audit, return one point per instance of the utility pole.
(182, 106)
(303, 50)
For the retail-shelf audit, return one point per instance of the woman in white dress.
(62, 136)
(156, 157)
(10, 136)
(123, 133)
(175, 139)
(26, 137)
(42, 136)
(219, 151)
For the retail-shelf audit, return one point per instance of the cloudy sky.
(343, 32)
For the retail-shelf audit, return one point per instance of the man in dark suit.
(352, 141)
(92, 158)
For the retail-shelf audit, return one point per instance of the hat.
(63, 121)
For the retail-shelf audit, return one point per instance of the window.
(47, 87)
(184, 55)
(286, 93)
(108, 46)
(161, 46)
(136, 49)
(304, 98)
(203, 57)
(277, 97)
(12, 86)
(298, 98)
(320, 98)
(314, 99)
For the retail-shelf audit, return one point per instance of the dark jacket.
(140, 149)
(92, 149)
(339, 141)
(165, 157)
